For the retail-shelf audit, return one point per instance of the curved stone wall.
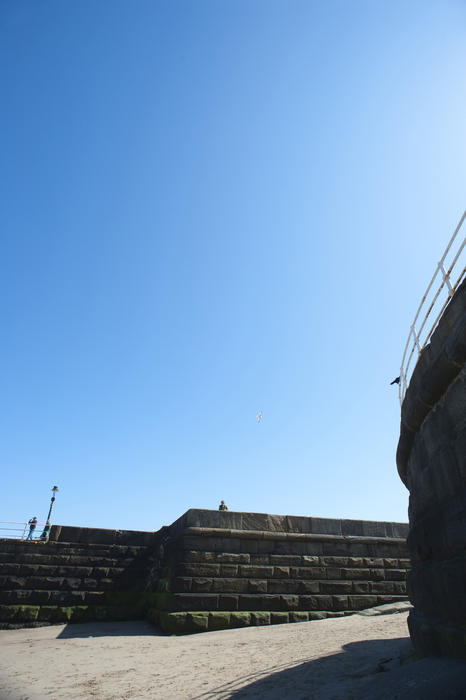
(431, 460)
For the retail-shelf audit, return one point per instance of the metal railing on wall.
(19, 531)
(423, 326)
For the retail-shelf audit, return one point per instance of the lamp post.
(54, 491)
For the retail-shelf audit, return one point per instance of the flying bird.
(395, 381)
(259, 416)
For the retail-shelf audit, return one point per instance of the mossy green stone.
(299, 617)
(240, 619)
(260, 618)
(27, 613)
(153, 615)
(278, 618)
(197, 622)
(219, 620)
(8, 612)
(173, 623)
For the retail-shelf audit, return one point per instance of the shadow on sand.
(136, 628)
(369, 670)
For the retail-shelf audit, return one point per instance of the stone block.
(259, 559)
(198, 622)
(232, 558)
(279, 618)
(260, 618)
(228, 602)
(240, 619)
(325, 526)
(219, 620)
(395, 574)
(251, 602)
(204, 585)
(334, 574)
(283, 586)
(334, 561)
(356, 574)
(7, 612)
(308, 572)
(271, 602)
(299, 616)
(173, 623)
(27, 613)
(256, 585)
(281, 572)
(312, 548)
(309, 560)
(72, 583)
(289, 602)
(361, 602)
(291, 547)
(306, 587)
(317, 615)
(228, 570)
(340, 602)
(287, 559)
(377, 574)
(229, 585)
(382, 587)
(256, 571)
(360, 587)
(181, 585)
(337, 587)
(389, 563)
(194, 602)
(197, 569)
(354, 562)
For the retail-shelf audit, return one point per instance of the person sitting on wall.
(32, 526)
(223, 506)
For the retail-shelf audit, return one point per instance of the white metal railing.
(418, 338)
(19, 531)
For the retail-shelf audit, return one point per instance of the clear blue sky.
(210, 209)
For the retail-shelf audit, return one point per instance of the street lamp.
(54, 491)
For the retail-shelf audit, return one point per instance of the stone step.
(295, 560)
(286, 586)
(211, 602)
(12, 583)
(23, 570)
(210, 570)
(66, 560)
(20, 547)
(51, 597)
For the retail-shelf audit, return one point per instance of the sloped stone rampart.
(431, 460)
(44, 582)
(219, 566)
(209, 570)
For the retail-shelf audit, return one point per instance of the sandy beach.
(352, 657)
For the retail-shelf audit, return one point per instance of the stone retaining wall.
(218, 569)
(431, 460)
(209, 570)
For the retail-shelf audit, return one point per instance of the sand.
(346, 658)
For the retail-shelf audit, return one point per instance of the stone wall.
(431, 460)
(219, 569)
(74, 580)
(209, 570)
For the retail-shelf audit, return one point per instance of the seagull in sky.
(259, 416)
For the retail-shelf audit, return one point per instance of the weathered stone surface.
(431, 460)
(198, 574)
